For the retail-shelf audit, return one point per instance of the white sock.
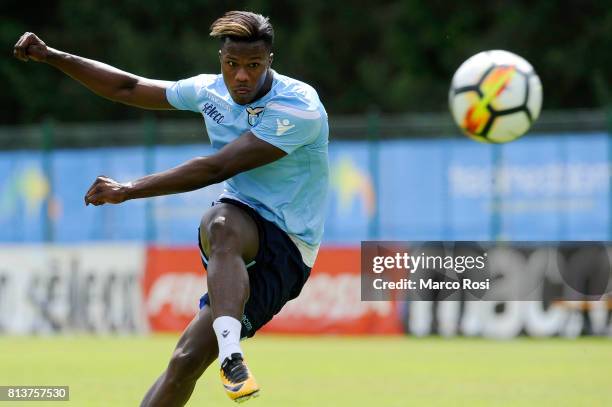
(227, 330)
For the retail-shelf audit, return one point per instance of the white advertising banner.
(72, 288)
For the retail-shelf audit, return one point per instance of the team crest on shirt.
(254, 114)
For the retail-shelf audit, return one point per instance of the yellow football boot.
(239, 383)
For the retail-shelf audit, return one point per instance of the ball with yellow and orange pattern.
(495, 96)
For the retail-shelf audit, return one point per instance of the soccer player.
(260, 239)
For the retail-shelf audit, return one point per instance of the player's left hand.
(106, 190)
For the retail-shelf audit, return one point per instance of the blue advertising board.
(553, 187)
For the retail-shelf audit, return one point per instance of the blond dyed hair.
(243, 26)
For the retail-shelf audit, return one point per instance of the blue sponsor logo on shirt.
(211, 111)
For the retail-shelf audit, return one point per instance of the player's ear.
(220, 56)
(270, 58)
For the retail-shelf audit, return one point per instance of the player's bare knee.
(185, 365)
(214, 226)
(223, 237)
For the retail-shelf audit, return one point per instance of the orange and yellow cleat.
(239, 383)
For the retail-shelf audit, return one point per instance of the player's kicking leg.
(230, 238)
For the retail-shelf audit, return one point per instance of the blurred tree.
(395, 55)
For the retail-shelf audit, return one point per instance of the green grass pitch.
(328, 371)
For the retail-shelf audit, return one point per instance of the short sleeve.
(183, 94)
(287, 127)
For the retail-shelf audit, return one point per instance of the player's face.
(245, 66)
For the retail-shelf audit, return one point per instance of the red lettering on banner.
(173, 283)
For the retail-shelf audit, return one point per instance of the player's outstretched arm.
(243, 154)
(103, 79)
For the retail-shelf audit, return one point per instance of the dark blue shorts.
(276, 276)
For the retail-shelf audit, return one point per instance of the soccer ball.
(495, 96)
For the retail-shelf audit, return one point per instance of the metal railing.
(372, 126)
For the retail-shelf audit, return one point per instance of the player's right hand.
(31, 47)
(106, 190)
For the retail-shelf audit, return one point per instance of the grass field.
(334, 371)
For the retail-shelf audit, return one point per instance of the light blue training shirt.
(292, 191)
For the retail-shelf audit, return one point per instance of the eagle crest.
(254, 113)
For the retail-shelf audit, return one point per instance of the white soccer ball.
(495, 96)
